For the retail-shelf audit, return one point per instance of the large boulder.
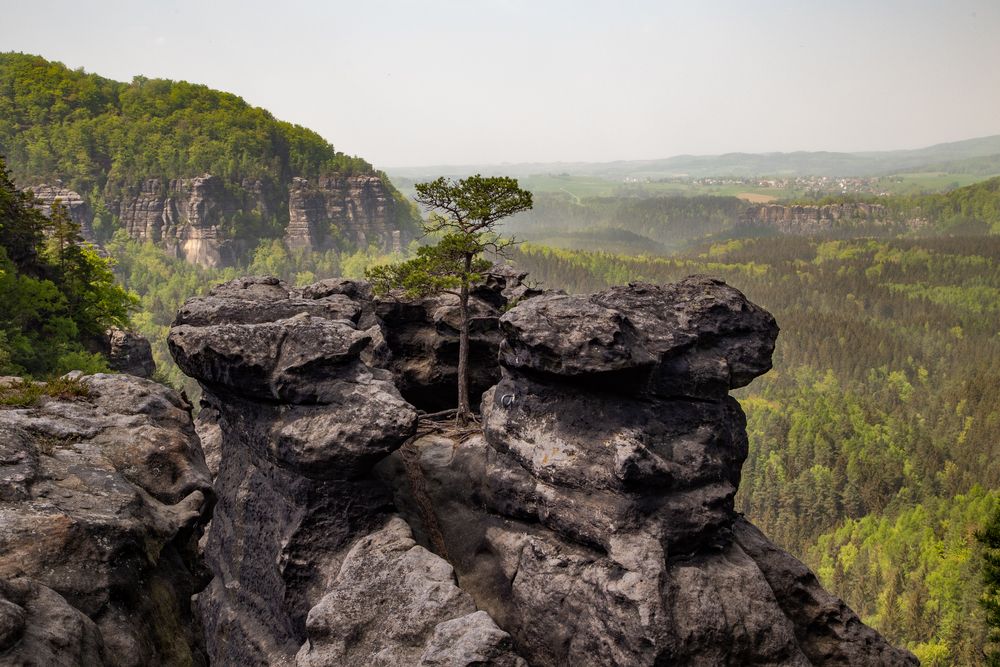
(129, 352)
(103, 496)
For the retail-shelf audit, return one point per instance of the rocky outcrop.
(810, 219)
(129, 352)
(306, 418)
(193, 218)
(78, 209)
(357, 209)
(423, 333)
(184, 215)
(590, 522)
(102, 501)
(593, 518)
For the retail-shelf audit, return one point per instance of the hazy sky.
(462, 81)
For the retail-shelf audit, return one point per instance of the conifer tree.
(465, 213)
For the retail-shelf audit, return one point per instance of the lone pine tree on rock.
(465, 213)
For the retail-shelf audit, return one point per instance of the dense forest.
(102, 138)
(57, 295)
(873, 453)
(93, 132)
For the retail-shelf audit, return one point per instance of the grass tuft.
(23, 393)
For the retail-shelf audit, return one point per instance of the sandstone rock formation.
(193, 218)
(102, 501)
(812, 219)
(306, 419)
(593, 518)
(358, 209)
(184, 215)
(129, 352)
(303, 544)
(79, 211)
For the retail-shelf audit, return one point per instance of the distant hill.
(198, 170)
(980, 154)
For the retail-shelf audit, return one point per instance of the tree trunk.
(464, 414)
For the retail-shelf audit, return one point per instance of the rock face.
(399, 604)
(809, 219)
(305, 420)
(184, 215)
(191, 217)
(129, 352)
(422, 335)
(593, 518)
(79, 210)
(358, 209)
(102, 502)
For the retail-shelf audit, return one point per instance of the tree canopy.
(57, 295)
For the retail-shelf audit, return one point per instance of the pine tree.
(466, 212)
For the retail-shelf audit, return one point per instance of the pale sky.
(486, 81)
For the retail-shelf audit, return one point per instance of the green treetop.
(990, 538)
(465, 213)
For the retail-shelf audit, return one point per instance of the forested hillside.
(874, 454)
(106, 140)
(93, 132)
(57, 297)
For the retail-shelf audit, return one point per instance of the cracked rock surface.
(593, 517)
(102, 501)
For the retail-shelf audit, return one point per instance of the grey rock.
(129, 352)
(473, 640)
(102, 500)
(38, 627)
(698, 337)
(209, 425)
(395, 603)
(302, 417)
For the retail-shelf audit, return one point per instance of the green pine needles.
(464, 215)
